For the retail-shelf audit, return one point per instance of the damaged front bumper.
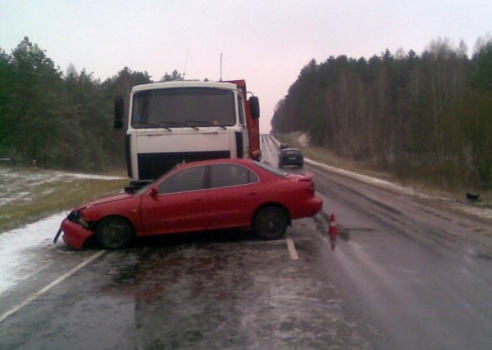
(74, 234)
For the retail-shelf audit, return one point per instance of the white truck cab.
(182, 121)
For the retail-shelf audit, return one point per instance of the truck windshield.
(183, 107)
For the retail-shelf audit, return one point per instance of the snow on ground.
(303, 140)
(463, 206)
(360, 177)
(26, 250)
(17, 185)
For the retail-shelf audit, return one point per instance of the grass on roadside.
(324, 156)
(53, 197)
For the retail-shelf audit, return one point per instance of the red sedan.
(199, 196)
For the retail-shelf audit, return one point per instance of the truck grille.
(152, 165)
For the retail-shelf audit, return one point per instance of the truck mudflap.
(256, 155)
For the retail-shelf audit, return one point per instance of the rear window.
(293, 152)
(226, 175)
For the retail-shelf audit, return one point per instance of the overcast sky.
(266, 42)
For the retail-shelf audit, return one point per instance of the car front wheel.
(270, 223)
(114, 232)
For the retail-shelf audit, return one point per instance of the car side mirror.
(153, 192)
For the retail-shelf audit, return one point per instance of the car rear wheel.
(114, 232)
(270, 223)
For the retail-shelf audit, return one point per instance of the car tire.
(270, 223)
(114, 232)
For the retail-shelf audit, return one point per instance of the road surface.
(408, 272)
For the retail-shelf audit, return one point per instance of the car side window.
(191, 179)
(225, 175)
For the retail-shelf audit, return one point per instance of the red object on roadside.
(333, 231)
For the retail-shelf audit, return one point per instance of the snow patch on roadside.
(15, 185)
(88, 176)
(360, 177)
(21, 250)
(26, 250)
(303, 140)
(480, 212)
(463, 206)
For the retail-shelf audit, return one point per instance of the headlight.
(75, 216)
(84, 223)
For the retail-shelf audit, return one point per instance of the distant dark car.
(199, 196)
(284, 145)
(290, 156)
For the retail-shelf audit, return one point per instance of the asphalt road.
(407, 273)
(415, 272)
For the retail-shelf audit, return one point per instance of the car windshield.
(144, 188)
(183, 107)
(272, 170)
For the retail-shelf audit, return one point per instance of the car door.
(234, 194)
(178, 205)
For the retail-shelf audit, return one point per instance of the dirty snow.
(16, 185)
(26, 250)
(463, 206)
(303, 140)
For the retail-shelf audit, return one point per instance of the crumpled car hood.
(109, 199)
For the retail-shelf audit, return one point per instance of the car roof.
(252, 165)
(218, 161)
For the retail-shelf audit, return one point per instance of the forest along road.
(408, 272)
(416, 272)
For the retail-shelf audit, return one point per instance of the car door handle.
(252, 193)
(196, 200)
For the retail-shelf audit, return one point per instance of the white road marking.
(292, 249)
(40, 292)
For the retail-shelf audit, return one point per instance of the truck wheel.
(270, 223)
(114, 232)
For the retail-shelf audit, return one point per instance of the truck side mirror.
(254, 107)
(119, 106)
